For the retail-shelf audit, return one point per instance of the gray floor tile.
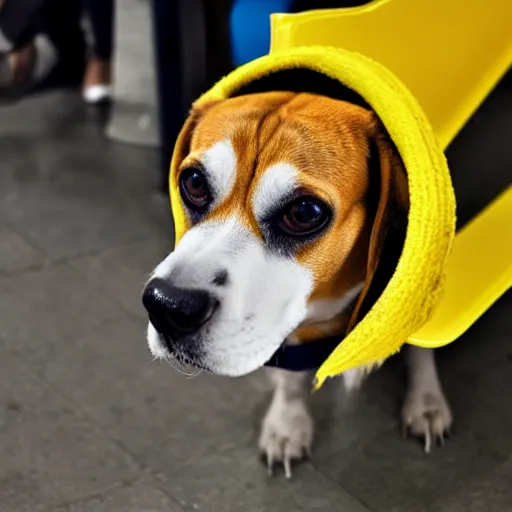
(477, 375)
(160, 415)
(491, 493)
(177, 426)
(139, 496)
(50, 452)
(392, 474)
(15, 253)
(40, 115)
(232, 480)
(53, 304)
(480, 408)
(344, 421)
(127, 267)
(485, 345)
(67, 189)
(71, 214)
(184, 419)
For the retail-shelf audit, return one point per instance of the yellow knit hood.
(414, 290)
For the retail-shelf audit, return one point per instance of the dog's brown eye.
(194, 188)
(304, 216)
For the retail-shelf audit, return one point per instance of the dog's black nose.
(176, 312)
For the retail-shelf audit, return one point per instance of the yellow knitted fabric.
(414, 290)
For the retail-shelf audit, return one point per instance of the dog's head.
(287, 199)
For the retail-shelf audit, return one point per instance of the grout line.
(92, 495)
(101, 431)
(26, 239)
(356, 499)
(62, 260)
(140, 466)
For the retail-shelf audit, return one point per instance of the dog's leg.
(287, 430)
(426, 412)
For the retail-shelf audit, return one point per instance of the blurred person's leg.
(17, 23)
(42, 45)
(61, 21)
(172, 105)
(26, 56)
(98, 74)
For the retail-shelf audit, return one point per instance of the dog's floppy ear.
(388, 205)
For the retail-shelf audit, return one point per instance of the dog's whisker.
(173, 363)
(196, 374)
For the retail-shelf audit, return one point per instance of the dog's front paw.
(287, 434)
(426, 414)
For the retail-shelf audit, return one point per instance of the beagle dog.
(296, 207)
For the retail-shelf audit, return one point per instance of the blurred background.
(92, 95)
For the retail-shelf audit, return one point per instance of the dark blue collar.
(308, 356)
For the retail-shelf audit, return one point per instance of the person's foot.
(16, 67)
(25, 67)
(96, 88)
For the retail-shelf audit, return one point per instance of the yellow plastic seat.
(450, 54)
(478, 272)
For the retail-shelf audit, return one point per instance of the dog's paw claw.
(287, 463)
(286, 436)
(428, 440)
(270, 464)
(426, 414)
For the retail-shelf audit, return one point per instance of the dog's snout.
(177, 312)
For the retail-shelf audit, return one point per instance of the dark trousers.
(101, 16)
(21, 20)
(60, 21)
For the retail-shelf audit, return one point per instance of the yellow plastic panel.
(450, 53)
(478, 272)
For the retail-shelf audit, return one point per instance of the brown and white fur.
(257, 151)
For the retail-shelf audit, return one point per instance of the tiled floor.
(89, 423)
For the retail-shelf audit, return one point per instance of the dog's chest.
(322, 310)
